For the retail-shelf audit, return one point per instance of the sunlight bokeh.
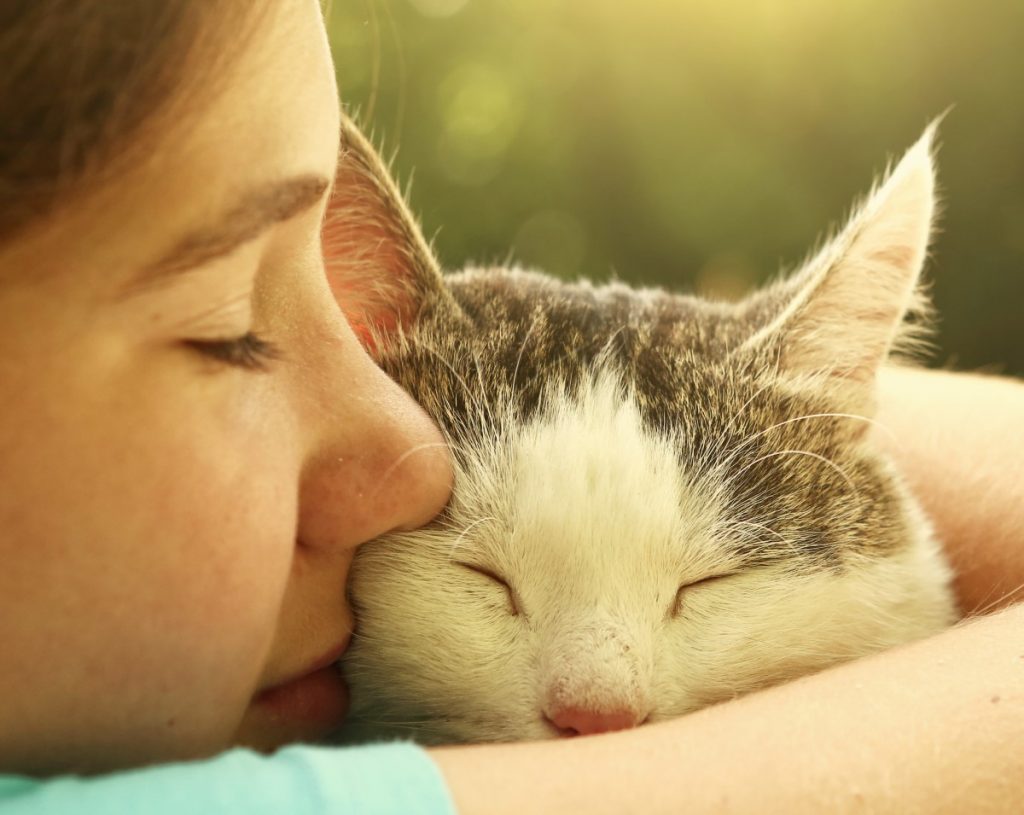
(700, 144)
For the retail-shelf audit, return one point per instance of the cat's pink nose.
(574, 721)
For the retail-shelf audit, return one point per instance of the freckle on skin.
(994, 699)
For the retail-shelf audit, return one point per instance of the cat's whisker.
(998, 598)
(790, 548)
(990, 599)
(466, 531)
(856, 416)
(732, 454)
(759, 526)
(827, 461)
(742, 408)
(719, 443)
(419, 448)
(413, 726)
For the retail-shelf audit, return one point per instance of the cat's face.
(660, 503)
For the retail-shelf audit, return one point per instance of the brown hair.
(83, 84)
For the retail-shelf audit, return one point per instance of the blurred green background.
(701, 145)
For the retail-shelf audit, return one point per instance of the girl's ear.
(843, 312)
(379, 267)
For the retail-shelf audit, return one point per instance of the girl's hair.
(86, 87)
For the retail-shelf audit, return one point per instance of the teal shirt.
(382, 779)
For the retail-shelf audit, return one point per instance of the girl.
(193, 442)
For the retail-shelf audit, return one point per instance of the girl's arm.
(933, 727)
(936, 726)
(959, 440)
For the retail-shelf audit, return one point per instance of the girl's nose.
(381, 463)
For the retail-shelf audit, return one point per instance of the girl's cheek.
(210, 526)
(223, 549)
(237, 523)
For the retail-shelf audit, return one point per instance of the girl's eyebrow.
(254, 212)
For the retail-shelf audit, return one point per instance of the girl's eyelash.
(249, 351)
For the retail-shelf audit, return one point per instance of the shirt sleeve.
(382, 779)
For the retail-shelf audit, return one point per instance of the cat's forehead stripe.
(489, 367)
(589, 476)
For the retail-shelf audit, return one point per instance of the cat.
(660, 502)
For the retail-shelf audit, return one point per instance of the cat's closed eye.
(676, 608)
(514, 606)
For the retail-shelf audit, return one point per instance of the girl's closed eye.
(248, 351)
(222, 330)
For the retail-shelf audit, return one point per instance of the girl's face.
(177, 512)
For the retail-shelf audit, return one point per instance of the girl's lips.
(318, 696)
(328, 659)
(319, 699)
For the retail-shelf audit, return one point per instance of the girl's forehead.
(268, 132)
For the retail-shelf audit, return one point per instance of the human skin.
(175, 531)
(956, 438)
(933, 727)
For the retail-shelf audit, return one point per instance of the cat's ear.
(379, 266)
(843, 312)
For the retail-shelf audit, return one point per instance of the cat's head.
(660, 502)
